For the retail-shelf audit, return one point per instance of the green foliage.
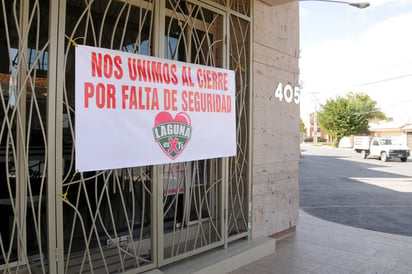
(344, 116)
(365, 106)
(302, 127)
(310, 140)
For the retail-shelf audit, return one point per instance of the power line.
(385, 80)
(398, 103)
(360, 85)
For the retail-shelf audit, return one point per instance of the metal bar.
(59, 136)
(192, 253)
(54, 136)
(154, 219)
(243, 235)
(225, 201)
(51, 101)
(157, 180)
(250, 128)
(21, 171)
(225, 161)
(158, 27)
(158, 214)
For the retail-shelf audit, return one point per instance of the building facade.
(398, 130)
(59, 220)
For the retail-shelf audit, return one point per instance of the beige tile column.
(275, 118)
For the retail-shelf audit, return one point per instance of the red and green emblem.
(172, 134)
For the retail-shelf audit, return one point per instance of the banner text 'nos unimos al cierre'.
(137, 97)
(134, 110)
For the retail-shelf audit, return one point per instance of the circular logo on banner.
(172, 134)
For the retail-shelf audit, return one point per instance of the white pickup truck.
(383, 148)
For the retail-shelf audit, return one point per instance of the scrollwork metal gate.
(58, 220)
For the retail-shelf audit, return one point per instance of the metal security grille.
(58, 220)
(193, 215)
(106, 214)
(23, 144)
(239, 180)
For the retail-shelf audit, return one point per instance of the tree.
(344, 116)
(302, 127)
(365, 106)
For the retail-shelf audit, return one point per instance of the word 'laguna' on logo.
(172, 129)
(172, 134)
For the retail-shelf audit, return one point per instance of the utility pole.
(315, 121)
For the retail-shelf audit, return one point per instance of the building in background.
(322, 136)
(399, 130)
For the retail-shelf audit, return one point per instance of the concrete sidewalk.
(320, 246)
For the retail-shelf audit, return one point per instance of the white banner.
(134, 110)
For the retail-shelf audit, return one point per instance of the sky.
(345, 49)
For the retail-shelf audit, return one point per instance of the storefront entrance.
(58, 220)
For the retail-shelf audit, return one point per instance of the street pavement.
(338, 186)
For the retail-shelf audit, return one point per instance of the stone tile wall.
(275, 194)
